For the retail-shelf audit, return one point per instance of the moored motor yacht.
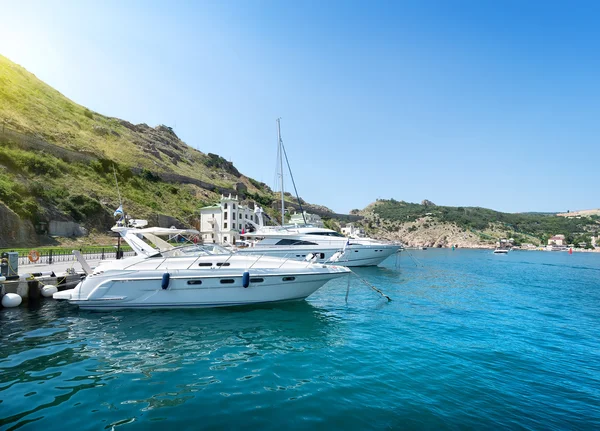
(194, 276)
(326, 245)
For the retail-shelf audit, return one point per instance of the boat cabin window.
(326, 234)
(194, 282)
(288, 278)
(286, 241)
(227, 281)
(223, 264)
(205, 264)
(257, 280)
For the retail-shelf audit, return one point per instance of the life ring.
(33, 256)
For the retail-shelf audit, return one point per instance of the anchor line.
(348, 289)
(414, 259)
(371, 286)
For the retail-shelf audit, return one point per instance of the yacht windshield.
(195, 250)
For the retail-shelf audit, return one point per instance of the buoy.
(165, 280)
(48, 291)
(246, 279)
(11, 300)
(2, 278)
(33, 256)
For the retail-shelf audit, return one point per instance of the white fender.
(11, 300)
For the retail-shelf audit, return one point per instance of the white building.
(312, 219)
(224, 222)
(353, 232)
(558, 240)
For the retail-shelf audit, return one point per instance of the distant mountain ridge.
(580, 213)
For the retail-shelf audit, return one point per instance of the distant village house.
(558, 240)
(312, 219)
(352, 231)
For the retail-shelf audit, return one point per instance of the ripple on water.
(469, 341)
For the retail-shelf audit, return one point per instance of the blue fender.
(165, 280)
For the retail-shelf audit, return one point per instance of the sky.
(462, 102)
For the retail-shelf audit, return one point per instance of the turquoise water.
(472, 340)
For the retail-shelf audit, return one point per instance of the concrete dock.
(33, 277)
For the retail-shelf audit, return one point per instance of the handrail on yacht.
(283, 263)
(259, 257)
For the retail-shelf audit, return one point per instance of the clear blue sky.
(471, 103)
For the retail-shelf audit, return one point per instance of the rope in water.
(368, 284)
(414, 259)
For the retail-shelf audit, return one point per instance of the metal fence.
(53, 256)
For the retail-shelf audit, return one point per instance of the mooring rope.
(368, 284)
(348, 289)
(414, 259)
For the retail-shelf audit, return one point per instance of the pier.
(29, 280)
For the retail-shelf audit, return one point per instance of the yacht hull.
(145, 290)
(353, 256)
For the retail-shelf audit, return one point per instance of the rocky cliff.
(14, 230)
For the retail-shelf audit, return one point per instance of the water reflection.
(56, 351)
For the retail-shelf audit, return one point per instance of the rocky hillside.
(58, 162)
(429, 225)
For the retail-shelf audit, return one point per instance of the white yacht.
(317, 244)
(193, 276)
(325, 245)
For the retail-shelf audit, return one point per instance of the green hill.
(58, 161)
(476, 224)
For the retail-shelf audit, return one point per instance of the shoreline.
(575, 250)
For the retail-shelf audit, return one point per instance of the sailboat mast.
(280, 153)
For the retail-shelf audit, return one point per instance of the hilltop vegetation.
(487, 224)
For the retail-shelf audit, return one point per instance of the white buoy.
(2, 278)
(48, 291)
(11, 300)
